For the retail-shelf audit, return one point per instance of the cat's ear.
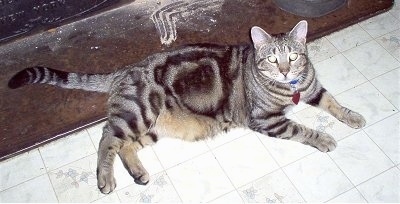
(299, 32)
(259, 36)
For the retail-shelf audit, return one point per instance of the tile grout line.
(165, 170)
(148, 186)
(119, 198)
(314, 61)
(223, 170)
(394, 105)
(53, 188)
(369, 179)
(378, 36)
(197, 155)
(378, 41)
(354, 185)
(383, 74)
(357, 44)
(218, 146)
(48, 175)
(230, 180)
(341, 54)
(90, 137)
(355, 65)
(17, 184)
(235, 190)
(394, 164)
(281, 168)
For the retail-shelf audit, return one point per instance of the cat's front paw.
(325, 143)
(354, 120)
(105, 180)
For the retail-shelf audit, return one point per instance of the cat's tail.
(67, 80)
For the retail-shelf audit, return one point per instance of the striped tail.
(67, 80)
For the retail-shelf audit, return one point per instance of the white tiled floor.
(360, 65)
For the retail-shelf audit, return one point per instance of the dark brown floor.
(33, 115)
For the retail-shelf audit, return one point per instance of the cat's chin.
(285, 81)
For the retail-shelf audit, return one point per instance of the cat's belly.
(185, 125)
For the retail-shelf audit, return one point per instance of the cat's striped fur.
(200, 90)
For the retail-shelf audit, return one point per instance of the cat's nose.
(284, 73)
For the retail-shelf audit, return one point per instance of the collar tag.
(296, 93)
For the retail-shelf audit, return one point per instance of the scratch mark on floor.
(166, 17)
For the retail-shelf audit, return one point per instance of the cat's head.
(281, 57)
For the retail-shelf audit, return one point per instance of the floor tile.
(386, 134)
(317, 178)
(36, 190)
(232, 197)
(368, 101)
(391, 42)
(111, 198)
(296, 108)
(380, 25)
(245, 159)
(223, 138)
(150, 160)
(387, 85)
(318, 119)
(200, 179)
(351, 196)
(383, 188)
(371, 59)
(321, 49)
(95, 132)
(272, 188)
(357, 153)
(171, 152)
(67, 150)
(286, 151)
(349, 37)
(77, 182)
(159, 189)
(21, 168)
(337, 74)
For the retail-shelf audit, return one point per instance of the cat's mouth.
(286, 79)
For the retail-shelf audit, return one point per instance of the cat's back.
(203, 73)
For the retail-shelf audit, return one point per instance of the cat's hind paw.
(105, 181)
(143, 179)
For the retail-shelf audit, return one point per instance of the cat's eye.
(293, 56)
(272, 59)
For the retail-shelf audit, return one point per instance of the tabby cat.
(199, 91)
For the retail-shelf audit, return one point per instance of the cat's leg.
(109, 146)
(325, 100)
(131, 161)
(277, 125)
(114, 142)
